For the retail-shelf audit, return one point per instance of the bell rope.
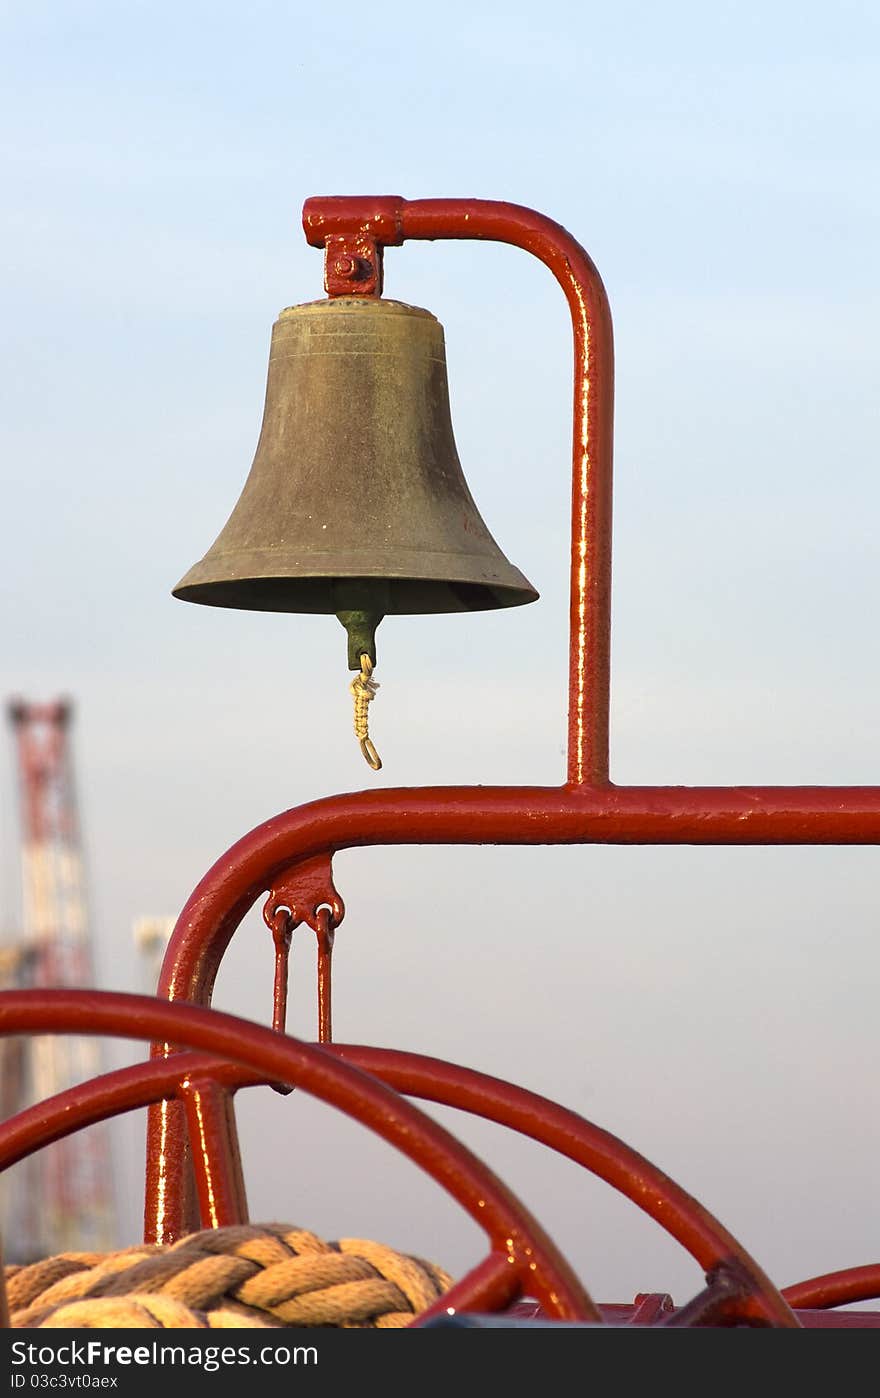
(364, 687)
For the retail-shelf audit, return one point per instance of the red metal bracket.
(304, 893)
(353, 233)
(304, 888)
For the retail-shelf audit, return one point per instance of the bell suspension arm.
(354, 230)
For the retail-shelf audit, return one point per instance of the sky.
(716, 1008)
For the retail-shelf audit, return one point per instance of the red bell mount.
(354, 231)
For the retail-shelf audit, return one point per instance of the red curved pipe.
(836, 1288)
(504, 815)
(532, 1257)
(121, 1090)
(605, 1155)
(462, 815)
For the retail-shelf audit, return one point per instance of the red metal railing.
(289, 858)
(291, 855)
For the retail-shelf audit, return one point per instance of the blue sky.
(719, 163)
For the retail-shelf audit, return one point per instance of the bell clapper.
(364, 687)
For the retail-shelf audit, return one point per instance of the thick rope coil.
(363, 687)
(223, 1278)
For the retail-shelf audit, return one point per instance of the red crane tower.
(61, 1199)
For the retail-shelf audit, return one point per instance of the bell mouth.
(319, 595)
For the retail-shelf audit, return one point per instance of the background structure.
(61, 1199)
(715, 1008)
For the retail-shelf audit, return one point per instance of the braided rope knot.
(267, 1276)
(364, 687)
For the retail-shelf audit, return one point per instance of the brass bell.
(356, 503)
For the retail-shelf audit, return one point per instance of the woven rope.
(363, 687)
(225, 1278)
